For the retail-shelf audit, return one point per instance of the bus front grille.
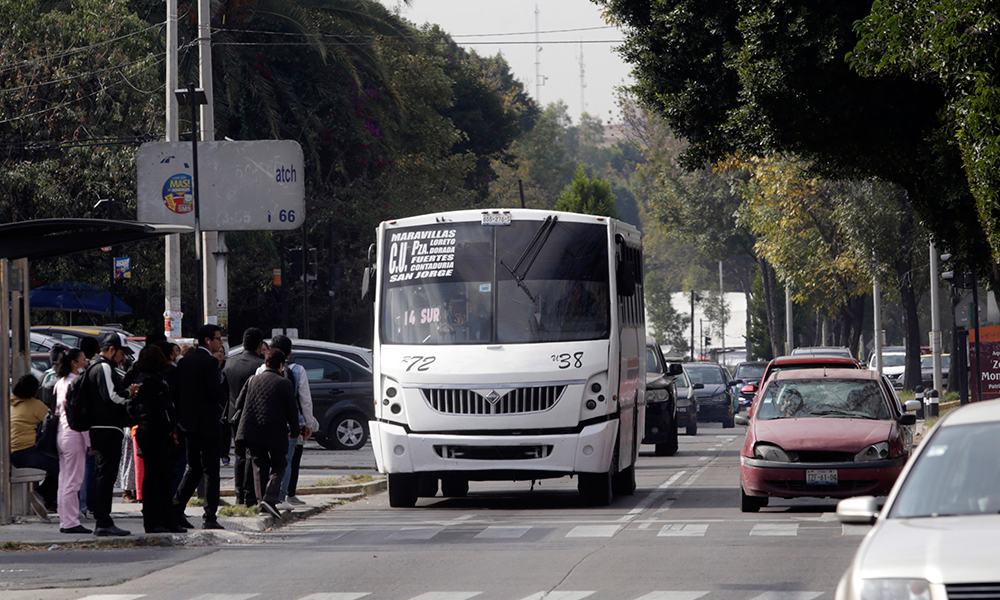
(515, 401)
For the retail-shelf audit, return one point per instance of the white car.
(938, 535)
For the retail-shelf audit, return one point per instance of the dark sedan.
(715, 399)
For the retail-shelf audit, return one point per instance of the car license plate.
(821, 477)
(496, 218)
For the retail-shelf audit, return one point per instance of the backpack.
(79, 405)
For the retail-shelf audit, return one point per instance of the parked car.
(748, 376)
(72, 334)
(687, 403)
(927, 369)
(822, 433)
(342, 392)
(716, 401)
(822, 351)
(661, 401)
(938, 534)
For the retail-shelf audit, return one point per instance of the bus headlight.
(895, 589)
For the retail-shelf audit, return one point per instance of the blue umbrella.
(76, 296)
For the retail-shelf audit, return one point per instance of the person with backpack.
(73, 445)
(107, 396)
(237, 371)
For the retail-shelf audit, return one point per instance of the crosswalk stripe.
(336, 596)
(683, 530)
(502, 532)
(775, 529)
(855, 529)
(415, 533)
(788, 595)
(113, 597)
(224, 597)
(558, 595)
(446, 596)
(672, 596)
(594, 531)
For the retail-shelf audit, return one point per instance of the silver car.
(938, 535)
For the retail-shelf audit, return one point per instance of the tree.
(588, 196)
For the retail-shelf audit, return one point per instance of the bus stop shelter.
(44, 238)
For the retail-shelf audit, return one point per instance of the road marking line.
(114, 597)
(446, 596)
(672, 596)
(558, 595)
(690, 480)
(788, 595)
(685, 530)
(336, 596)
(855, 529)
(224, 596)
(588, 531)
(502, 532)
(704, 457)
(648, 500)
(415, 533)
(775, 529)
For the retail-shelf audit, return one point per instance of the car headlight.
(770, 452)
(656, 395)
(895, 589)
(879, 451)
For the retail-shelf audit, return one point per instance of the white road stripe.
(415, 533)
(446, 596)
(502, 532)
(788, 595)
(558, 595)
(224, 596)
(336, 596)
(683, 530)
(587, 531)
(775, 529)
(672, 596)
(648, 500)
(855, 529)
(114, 597)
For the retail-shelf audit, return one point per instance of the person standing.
(73, 445)
(268, 419)
(200, 399)
(153, 412)
(90, 348)
(26, 412)
(237, 371)
(108, 397)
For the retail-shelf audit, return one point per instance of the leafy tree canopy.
(589, 196)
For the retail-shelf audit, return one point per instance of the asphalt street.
(680, 537)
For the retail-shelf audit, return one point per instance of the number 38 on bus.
(509, 345)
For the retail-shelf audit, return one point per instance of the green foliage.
(588, 196)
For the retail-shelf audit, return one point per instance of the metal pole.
(935, 321)
(193, 101)
(209, 239)
(5, 492)
(285, 282)
(172, 251)
(305, 283)
(789, 337)
(722, 316)
(877, 303)
(975, 325)
(692, 325)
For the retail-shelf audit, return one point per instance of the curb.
(355, 488)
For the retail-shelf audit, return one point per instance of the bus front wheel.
(402, 490)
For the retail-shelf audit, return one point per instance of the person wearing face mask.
(73, 445)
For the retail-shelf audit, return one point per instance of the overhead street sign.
(243, 186)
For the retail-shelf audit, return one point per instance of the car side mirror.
(699, 386)
(749, 389)
(912, 405)
(674, 369)
(733, 383)
(741, 420)
(908, 419)
(860, 510)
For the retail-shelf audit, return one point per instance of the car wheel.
(692, 428)
(402, 490)
(729, 422)
(427, 486)
(454, 487)
(348, 431)
(751, 504)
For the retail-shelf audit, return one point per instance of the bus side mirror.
(366, 284)
(674, 369)
(626, 278)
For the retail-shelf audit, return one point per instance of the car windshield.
(927, 362)
(465, 283)
(750, 372)
(826, 397)
(705, 374)
(893, 360)
(958, 473)
(653, 365)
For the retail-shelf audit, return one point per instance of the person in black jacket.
(237, 371)
(152, 410)
(108, 396)
(199, 407)
(268, 418)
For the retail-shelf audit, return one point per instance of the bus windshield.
(467, 283)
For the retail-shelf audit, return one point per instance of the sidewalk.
(33, 533)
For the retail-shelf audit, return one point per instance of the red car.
(822, 433)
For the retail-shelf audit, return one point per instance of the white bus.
(509, 345)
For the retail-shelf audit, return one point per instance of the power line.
(82, 75)
(524, 43)
(58, 55)
(409, 37)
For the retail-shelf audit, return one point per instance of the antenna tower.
(583, 80)
(539, 78)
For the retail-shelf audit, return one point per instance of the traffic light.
(295, 264)
(708, 341)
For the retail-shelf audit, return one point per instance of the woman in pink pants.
(73, 446)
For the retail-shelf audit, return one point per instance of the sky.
(474, 24)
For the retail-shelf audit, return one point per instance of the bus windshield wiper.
(532, 249)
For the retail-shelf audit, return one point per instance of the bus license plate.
(818, 477)
(496, 218)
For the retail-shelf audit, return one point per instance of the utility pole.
(172, 260)
(877, 305)
(210, 239)
(789, 337)
(935, 321)
(722, 316)
(692, 325)
(539, 78)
